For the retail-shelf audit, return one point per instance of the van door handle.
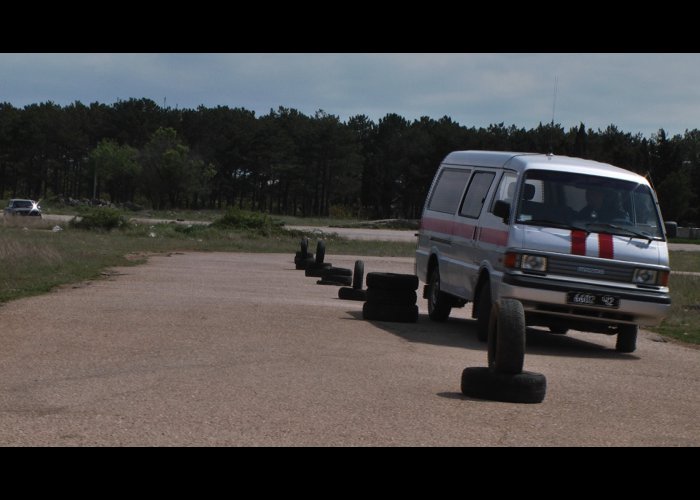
(441, 240)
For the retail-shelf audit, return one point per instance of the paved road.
(241, 349)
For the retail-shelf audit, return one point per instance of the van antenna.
(554, 107)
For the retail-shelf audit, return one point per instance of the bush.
(100, 218)
(254, 222)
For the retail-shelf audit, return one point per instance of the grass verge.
(683, 320)
(35, 259)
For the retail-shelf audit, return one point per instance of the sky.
(638, 93)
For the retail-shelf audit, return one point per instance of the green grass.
(685, 261)
(683, 320)
(34, 259)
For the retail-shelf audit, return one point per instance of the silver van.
(543, 240)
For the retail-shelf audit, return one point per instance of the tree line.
(285, 162)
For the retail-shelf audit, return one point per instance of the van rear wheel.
(439, 304)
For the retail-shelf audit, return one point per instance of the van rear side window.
(476, 194)
(448, 190)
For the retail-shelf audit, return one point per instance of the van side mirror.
(502, 209)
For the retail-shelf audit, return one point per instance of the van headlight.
(526, 262)
(533, 263)
(650, 277)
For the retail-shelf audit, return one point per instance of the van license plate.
(592, 299)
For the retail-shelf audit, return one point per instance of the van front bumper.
(547, 297)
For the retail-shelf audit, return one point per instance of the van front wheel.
(439, 305)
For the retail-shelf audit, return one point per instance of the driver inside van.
(602, 206)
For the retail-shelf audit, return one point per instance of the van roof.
(526, 161)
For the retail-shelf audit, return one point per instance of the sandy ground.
(225, 349)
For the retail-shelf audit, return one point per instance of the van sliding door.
(438, 219)
(466, 232)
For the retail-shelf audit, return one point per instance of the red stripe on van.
(578, 242)
(464, 230)
(494, 236)
(437, 225)
(605, 246)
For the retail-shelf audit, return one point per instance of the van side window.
(448, 189)
(476, 194)
(506, 189)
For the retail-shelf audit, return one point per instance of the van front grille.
(602, 271)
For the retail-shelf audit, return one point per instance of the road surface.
(233, 349)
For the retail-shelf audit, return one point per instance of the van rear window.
(448, 190)
(476, 195)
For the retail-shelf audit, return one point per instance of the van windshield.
(587, 202)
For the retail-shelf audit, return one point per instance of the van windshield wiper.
(554, 223)
(627, 231)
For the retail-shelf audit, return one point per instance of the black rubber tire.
(298, 257)
(626, 338)
(484, 317)
(439, 303)
(320, 251)
(335, 281)
(302, 264)
(483, 383)
(392, 281)
(316, 270)
(392, 297)
(339, 271)
(381, 312)
(558, 330)
(506, 341)
(304, 246)
(358, 275)
(348, 293)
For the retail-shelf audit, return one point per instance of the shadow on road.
(459, 332)
(455, 332)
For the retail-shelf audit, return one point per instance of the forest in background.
(135, 153)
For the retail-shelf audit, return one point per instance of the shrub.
(100, 218)
(254, 222)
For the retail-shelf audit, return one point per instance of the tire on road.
(320, 251)
(316, 270)
(392, 281)
(626, 338)
(524, 387)
(303, 263)
(358, 275)
(335, 281)
(339, 271)
(391, 297)
(506, 340)
(381, 312)
(352, 293)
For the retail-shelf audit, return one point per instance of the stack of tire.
(504, 378)
(338, 276)
(317, 268)
(355, 292)
(391, 297)
(303, 257)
